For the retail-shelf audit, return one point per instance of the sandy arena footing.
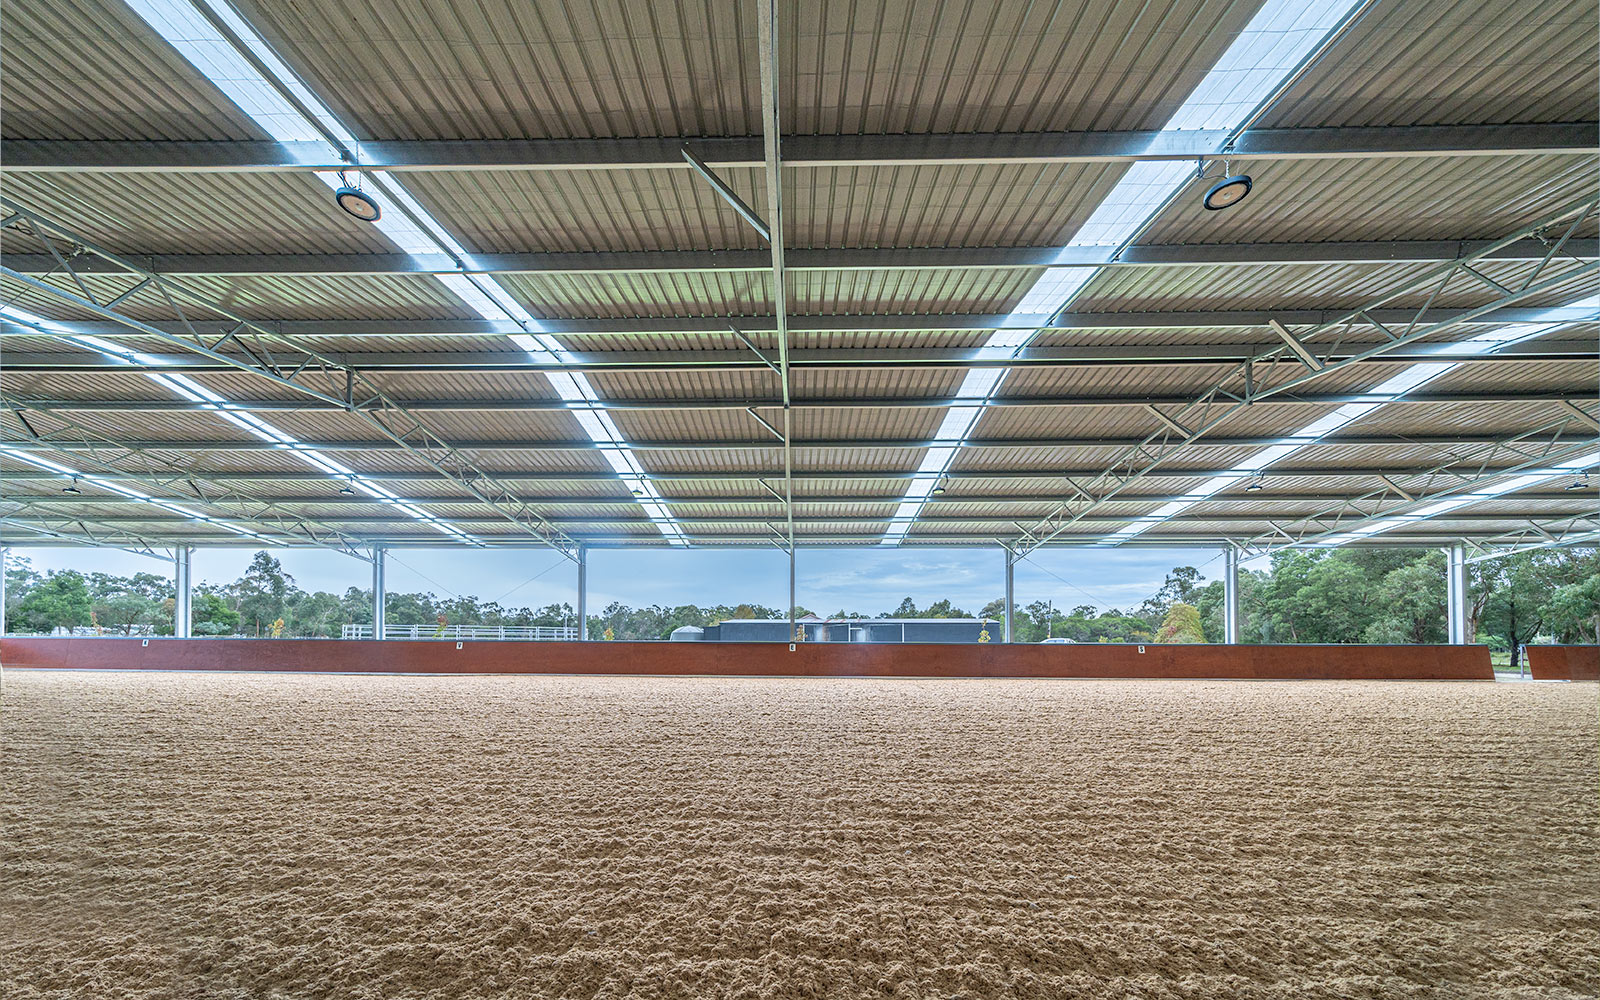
(246, 835)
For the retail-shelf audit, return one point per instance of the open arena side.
(1264, 278)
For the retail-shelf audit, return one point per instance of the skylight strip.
(111, 486)
(188, 388)
(1387, 391)
(1445, 505)
(404, 221)
(1264, 55)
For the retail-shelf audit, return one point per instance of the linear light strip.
(1457, 501)
(189, 389)
(1385, 392)
(1281, 35)
(403, 221)
(41, 462)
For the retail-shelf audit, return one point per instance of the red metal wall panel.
(759, 659)
(1564, 663)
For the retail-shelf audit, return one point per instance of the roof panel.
(192, 212)
(942, 206)
(435, 69)
(861, 67)
(508, 211)
(1381, 198)
(91, 69)
(1443, 62)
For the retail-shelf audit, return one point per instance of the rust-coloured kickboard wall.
(1564, 663)
(756, 659)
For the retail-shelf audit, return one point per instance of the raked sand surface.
(264, 836)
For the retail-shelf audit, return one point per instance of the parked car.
(1047, 642)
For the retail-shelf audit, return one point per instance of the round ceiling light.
(1581, 483)
(1227, 192)
(71, 488)
(358, 203)
(1253, 486)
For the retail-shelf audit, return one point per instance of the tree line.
(1348, 595)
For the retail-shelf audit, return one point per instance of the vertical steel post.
(183, 592)
(3, 553)
(583, 594)
(1230, 596)
(1011, 598)
(379, 593)
(791, 589)
(1456, 594)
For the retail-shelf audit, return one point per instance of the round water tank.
(688, 633)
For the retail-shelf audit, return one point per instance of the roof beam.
(1227, 397)
(763, 540)
(1542, 533)
(751, 476)
(753, 499)
(43, 155)
(720, 261)
(887, 323)
(840, 358)
(274, 357)
(379, 445)
(364, 521)
(1463, 475)
(1570, 396)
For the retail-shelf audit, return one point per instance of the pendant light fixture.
(1227, 192)
(356, 202)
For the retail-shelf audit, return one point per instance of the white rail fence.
(520, 633)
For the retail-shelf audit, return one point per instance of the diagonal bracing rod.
(1220, 402)
(378, 410)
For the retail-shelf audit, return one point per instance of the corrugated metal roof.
(973, 66)
(932, 291)
(1316, 286)
(1443, 62)
(434, 69)
(504, 211)
(191, 212)
(1382, 198)
(622, 296)
(91, 69)
(942, 206)
(431, 69)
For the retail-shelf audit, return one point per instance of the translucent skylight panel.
(1464, 499)
(212, 54)
(1278, 38)
(1145, 187)
(114, 487)
(1054, 287)
(404, 222)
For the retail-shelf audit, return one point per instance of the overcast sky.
(866, 580)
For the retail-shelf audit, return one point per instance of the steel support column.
(583, 594)
(1456, 594)
(791, 593)
(1230, 596)
(183, 592)
(4, 552)
(1011, 597)
(379, 593)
